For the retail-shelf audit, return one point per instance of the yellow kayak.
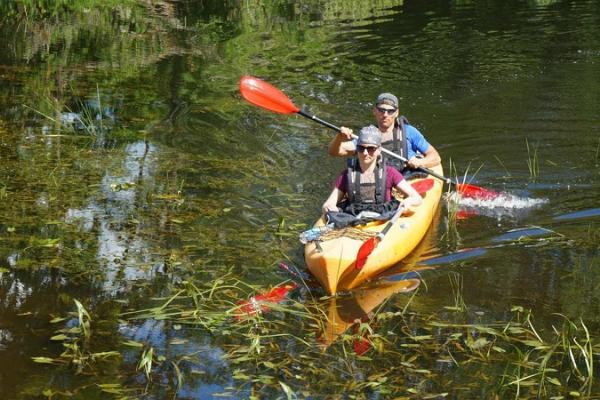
(332, 260)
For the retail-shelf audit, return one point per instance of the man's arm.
(431, 158)
(342, 145)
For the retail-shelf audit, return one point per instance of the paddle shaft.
(392, 221)
(384, 150)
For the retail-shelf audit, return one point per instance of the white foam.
(505, 204)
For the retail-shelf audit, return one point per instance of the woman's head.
(369, 142)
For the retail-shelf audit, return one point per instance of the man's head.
(369, 140)
(386, 110)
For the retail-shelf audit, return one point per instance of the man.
(368, 185)
(397, 136)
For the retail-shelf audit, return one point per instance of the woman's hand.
(327, 207)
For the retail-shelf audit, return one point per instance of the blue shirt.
(416, 141)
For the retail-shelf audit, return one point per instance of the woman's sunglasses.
(370, 150)
(389, 111)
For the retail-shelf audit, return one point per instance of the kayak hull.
(332, 262)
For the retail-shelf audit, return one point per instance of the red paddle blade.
(475, 192)
(365, 250)
(265, 95)
(262, 302)
(423, 186)
(367, 247)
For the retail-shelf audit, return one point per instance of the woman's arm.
(334, 198)
(413, 197)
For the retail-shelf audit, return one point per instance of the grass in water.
(89, 119)
(532, 161)
(275, 352)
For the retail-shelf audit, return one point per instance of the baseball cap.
(369, 136)
(387, 98)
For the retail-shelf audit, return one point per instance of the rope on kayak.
(349, 232)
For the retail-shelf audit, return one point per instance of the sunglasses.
(389, 111)
(370, 150)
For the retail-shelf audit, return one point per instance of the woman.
(368, 186)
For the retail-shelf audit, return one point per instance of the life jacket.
(398, 144)
(368, 193)
(365, 197)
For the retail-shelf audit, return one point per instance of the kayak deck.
(332, 262)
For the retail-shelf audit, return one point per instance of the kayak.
(332, 258)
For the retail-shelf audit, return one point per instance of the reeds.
(532, 160)
(88, 119)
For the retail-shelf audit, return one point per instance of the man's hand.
(415, 162)
(346, 133)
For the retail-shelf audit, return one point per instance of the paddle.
(368, 246)
(267, 96)
(262, 302)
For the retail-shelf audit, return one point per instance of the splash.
(505, 204)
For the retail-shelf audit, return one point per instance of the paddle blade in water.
(265, 95)
(475, 192)
(365, 250)
(262, 302)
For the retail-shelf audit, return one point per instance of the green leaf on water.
(113, 388)
(239, 374)
(132, 343)
(553, 381)
(422, 337)
(59, 337)
(43, 360)
(479, 343)
(287, 390)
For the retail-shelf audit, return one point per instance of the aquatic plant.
(532, 161)
(75, 339)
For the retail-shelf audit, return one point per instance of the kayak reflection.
(348, 311)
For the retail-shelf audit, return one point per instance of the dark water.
(166, 179)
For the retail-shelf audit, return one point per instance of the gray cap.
(369, 136)
(387, 98)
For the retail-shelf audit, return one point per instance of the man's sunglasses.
(389, 111)
(370, 150)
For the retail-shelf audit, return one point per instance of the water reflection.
(189, 184)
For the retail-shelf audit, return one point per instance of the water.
(180, 181)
